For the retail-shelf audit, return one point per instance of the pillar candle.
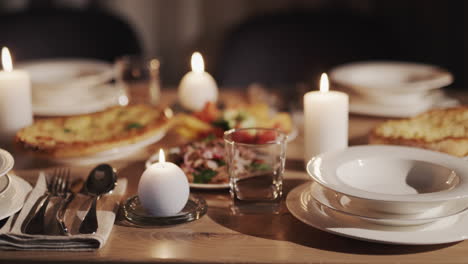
(15, 99)
(325, 120)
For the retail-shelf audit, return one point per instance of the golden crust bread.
(88, 134)
(444, 130)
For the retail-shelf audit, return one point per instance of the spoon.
(101, 180)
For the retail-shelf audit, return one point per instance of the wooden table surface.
(219, 237)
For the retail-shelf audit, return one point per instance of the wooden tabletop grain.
(220, 237)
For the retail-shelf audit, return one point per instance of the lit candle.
(163, 189)
(325, 120)
(197, 87)
(15, 99)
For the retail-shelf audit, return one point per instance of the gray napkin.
(11, 237)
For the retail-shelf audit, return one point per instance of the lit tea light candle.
(197, 87)
(15, 99)
(163, 189)
(325, 120)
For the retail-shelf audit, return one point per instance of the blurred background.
(278, 43)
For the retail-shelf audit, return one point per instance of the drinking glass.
(255, 160)
(139, 79)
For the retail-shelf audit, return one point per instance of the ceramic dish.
(212, 186)
(6, 162)
(390, 77)
(7, 190)
(347, 205)
(12, 203)
(112, 154)
(393, 179)
(302, 206)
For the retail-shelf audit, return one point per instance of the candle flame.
(6, 60)
(197, 62)
(324, 85)
(162, 158)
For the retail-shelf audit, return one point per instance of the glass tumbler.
(139, 80)
(255, 160)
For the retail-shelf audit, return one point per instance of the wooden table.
(219, 237)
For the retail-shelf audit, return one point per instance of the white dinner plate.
(364, 106)
(208, 186)
(301, 204)
(390, 77)
(112, 154)
(93, 100)
(346, 205)
(6, 162)
(11, 205)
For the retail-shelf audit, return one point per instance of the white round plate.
(346, 205)
(350, 171)
(97, 99)
(302, 206)
(209, 186)
(15, 203)
(364, 106)
(66, 72)
(6, 162)
(390, 77)
(112, 154)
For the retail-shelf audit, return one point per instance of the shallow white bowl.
(390, 77)
(393, 179)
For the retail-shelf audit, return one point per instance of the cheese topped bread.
(444, 130)
(88, 134)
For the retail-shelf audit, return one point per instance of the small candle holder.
(133, 212)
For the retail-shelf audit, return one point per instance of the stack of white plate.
(13, 189)
(393, 89)
(387, 194)
(71, 86)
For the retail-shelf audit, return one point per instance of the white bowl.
(393, 179)
(6, 162)
(390, 77)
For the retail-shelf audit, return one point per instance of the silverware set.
(101, 180)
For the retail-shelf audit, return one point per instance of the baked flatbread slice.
(444, 130)
(83, 135)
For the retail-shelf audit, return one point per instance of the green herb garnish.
(209, 138)
(67, 130)
(223, 124)
(204, 176)
(134, 125)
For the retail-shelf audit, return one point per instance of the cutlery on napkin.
(11, 237)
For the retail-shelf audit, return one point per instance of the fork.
(57, 183)
(67, 196)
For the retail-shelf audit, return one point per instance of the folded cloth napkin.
(12, 238)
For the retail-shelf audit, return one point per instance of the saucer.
(302, 206)
(346, 205)
(195, 208)
(14, 202)
(393, 179)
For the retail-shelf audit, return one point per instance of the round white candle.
(197, 87)
(163, 189)
(325, 120)
(15, 99)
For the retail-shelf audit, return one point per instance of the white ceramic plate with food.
(14, 202)
(377, 77)
(302, 205)
(393, 179)
(209, 186)
(112, 154)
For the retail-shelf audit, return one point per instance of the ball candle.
(197, 87)
(163, 189)
(15, 99)
(325, 120)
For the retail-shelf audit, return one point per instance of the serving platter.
(14, 200)
(302, 206)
